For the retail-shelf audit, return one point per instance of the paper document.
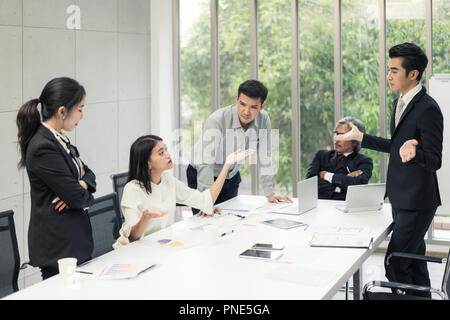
(341, 240)
(123, 271)
(275, 207)
(353, 230)
(300, 275)
(242, 203)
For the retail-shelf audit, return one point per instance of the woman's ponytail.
(57, 92)
(28, 121)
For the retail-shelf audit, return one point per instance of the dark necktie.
(339, 158)
(75, 156)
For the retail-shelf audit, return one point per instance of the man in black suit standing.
(342, 166)
(415, 149)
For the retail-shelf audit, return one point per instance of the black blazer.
(52, 234)
(326, 160)
(413, 185)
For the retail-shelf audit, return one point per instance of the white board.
(440, 91)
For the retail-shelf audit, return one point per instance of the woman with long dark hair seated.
(150, 196)
(61, 184)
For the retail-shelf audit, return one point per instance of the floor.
(373, 269)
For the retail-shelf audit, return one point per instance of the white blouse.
(164, 197)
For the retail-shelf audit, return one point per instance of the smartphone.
(268, 246)
(261, 254)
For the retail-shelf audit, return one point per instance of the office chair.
(10, 259)
(119, 182)
(106, 222)
(401, 287)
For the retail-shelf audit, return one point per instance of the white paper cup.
(67, 266)
(210, 232)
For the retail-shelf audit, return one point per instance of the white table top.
(197, 270)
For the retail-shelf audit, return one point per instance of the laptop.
(307, 198)
(364, 197)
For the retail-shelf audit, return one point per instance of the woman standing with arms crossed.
(61, 184)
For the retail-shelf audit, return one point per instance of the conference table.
(187, 265)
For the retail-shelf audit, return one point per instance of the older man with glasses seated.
(342, 166)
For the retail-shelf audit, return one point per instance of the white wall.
(163, 121)
(109, 55)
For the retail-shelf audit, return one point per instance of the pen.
(348, 169)
(306, 228)
(85, 272)
(225, 233)
(239, 216)
(371, 243)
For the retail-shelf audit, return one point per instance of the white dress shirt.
(222, 135)
(329, 175)
(164, 197)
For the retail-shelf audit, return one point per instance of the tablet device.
(283, 223)
(260, 254)
(268, 246)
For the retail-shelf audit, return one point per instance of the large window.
(316, 78)
(234, 60)
(405, 21)
(195, 74)
(360, 75)
(195, 59)
(441, 64)
(234, 47)
(441, 26)
(274, 53)
(195, 56)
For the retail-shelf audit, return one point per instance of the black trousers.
(229, 190)
(49, 271)
(407, 236)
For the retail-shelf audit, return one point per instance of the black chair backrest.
(106, 222)
(9, 253)
(119, 182)
(446, 280)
